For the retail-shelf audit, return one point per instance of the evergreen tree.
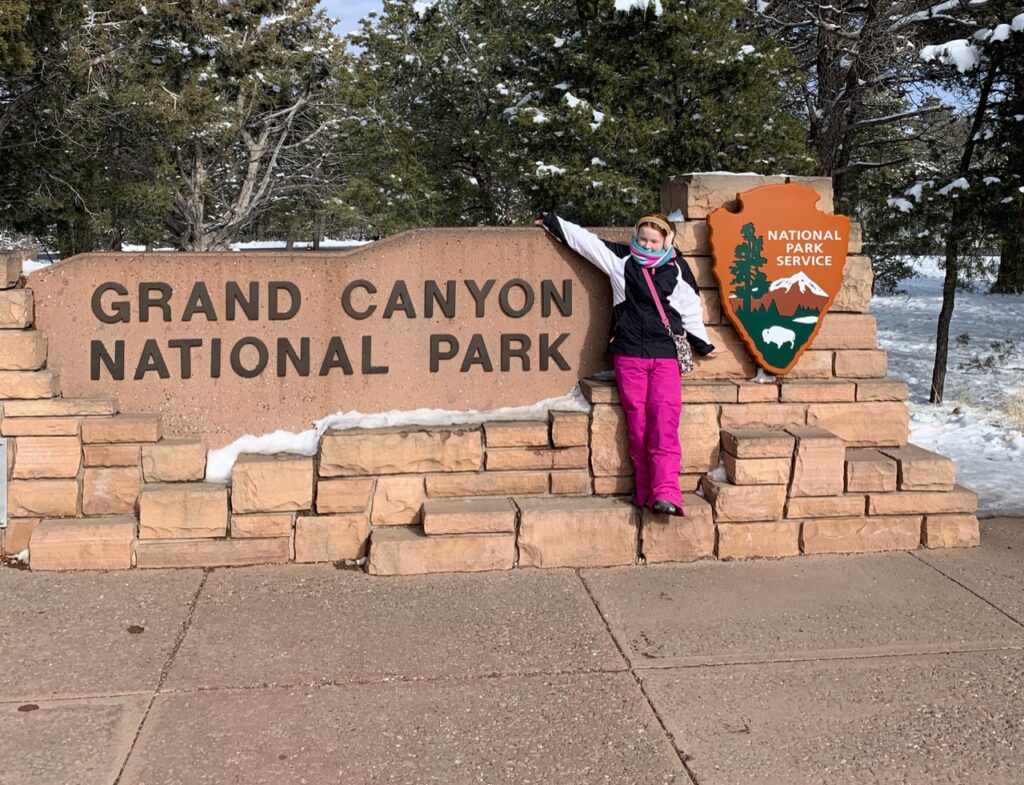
(642, 95)
(36, 80)
(478, 113)
(748, 280)
(189, 120)
(1007, 219)
(859, 74)
(249, 89)
(958, 199)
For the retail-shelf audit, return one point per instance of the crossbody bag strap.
(657, 300)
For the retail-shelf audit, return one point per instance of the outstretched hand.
(539, 222)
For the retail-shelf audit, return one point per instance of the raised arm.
(586, 244)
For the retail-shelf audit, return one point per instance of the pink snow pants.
(652, 399)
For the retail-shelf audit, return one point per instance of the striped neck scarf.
(650, 259)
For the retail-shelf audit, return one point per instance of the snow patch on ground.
(972, 426)
(30, 266)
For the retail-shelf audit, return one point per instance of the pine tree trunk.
(945, 317)
(75, 236)
(293, 228)
(955, 234)
(1010, 278)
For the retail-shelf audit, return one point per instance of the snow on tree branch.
(960, 53)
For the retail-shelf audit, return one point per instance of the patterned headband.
(659, 222)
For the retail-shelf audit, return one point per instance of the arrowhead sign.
(779, 263)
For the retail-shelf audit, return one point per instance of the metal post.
(3, 484)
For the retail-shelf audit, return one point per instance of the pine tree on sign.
(748, 280)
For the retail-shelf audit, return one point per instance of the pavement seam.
(516, 528)
(639, 683)
(968, 589)
(164, 672)
(85, 696)
(409, 680)
(397, 680)
(829, 658)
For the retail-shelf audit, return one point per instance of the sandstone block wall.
(813, 462)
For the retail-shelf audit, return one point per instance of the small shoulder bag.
(683, 351)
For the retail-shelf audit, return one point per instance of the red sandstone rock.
(174, 460)
(262, 525)
(818, 463)
(331, 537)
(77, 544)
(570, 429)
(743, 503)
(212, 553)
(487, 484)
(765, 539)
(869, 471)
(516, 434)
(468, 516)
(122, 428)
(672, 538)
(951, 531)
(174, 511)
(862, 535)
(922, 470)
(110, 490)
(404, 550)
(272, 483)
(577, 532)
(758, 442)
(400, 451)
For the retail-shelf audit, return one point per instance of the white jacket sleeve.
(687, 304)
(592, 248)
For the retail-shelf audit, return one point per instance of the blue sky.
(349, 12)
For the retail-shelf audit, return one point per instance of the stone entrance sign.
(108, 360)
(224, 345)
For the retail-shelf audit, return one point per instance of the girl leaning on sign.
(643, 351)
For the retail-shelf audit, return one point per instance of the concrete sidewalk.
(890, 668)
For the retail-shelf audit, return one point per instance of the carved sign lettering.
(229, 344)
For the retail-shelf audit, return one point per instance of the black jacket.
(637, 329)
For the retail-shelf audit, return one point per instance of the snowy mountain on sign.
(801, 281)
(798, 293)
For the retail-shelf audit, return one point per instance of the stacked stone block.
(845, 348)
(452, 499)
(44, 475)
(184, 522)
(709, 407)
(800, 490)
(77, 467)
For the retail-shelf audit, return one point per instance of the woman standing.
(643, 351)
